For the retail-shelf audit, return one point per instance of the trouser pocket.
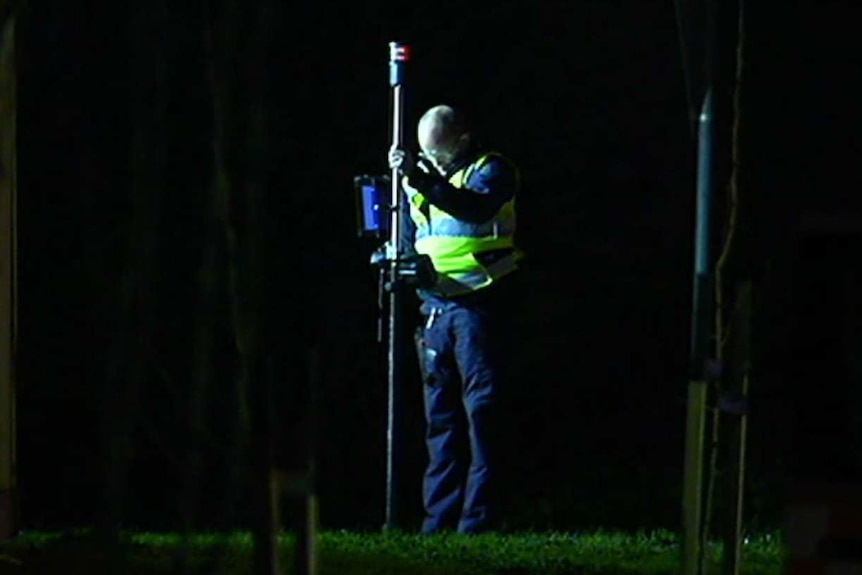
(427, 357)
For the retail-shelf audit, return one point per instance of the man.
(460, 199)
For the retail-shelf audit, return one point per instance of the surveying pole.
(399, 54)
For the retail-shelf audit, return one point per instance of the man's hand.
(408, 190)
(381, 255)
(401, 160)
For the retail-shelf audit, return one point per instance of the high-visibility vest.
(453, 245)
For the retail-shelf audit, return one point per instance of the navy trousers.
(460, 358)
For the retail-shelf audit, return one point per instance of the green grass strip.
(391, 553)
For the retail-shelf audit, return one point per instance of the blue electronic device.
(372, 213)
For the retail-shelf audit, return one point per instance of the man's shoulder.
(491, 156)
(492, 163)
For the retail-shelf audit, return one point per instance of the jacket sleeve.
(487, 189)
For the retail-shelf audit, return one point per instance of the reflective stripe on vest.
(453, 245)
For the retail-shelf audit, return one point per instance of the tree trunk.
(130, 358)
(8, 481)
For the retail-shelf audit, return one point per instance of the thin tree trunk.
(221, 40)
(8, 320)
(210, 279)
(251, 254)
(130, 357)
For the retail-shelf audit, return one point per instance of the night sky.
(588, 97)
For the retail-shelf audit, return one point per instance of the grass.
(352, 553)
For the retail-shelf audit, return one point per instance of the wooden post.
(298, 487)
(8, 483)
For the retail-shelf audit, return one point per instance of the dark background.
(588, 97)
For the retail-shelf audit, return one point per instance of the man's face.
(441, 149)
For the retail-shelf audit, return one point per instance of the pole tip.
(399, 52)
